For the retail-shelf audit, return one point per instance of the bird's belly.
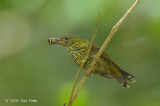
(101, 67)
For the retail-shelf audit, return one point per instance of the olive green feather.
(105, 66)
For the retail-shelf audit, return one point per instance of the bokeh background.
(32, 69)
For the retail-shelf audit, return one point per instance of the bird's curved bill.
(55, 41)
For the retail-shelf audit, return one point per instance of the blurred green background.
(32, 69)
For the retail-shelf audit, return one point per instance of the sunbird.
(105, 66)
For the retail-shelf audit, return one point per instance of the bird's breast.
(78, 53)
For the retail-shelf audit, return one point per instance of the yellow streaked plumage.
(105, 66)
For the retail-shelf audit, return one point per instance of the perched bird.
(105, 66)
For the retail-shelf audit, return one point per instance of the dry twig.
(84, 61)
(114, 29)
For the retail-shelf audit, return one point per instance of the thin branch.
(114, 29)
(84, 61)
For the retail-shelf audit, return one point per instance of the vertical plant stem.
(84, 61)
(114, 29)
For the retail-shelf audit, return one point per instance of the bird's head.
(67, 40)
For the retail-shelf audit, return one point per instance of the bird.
(105, 66)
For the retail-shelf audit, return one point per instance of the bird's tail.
(122, 79)
(127, 75)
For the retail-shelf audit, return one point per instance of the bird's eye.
(66, 38)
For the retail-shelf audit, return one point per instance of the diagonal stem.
(84, 61)
(114, 29)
